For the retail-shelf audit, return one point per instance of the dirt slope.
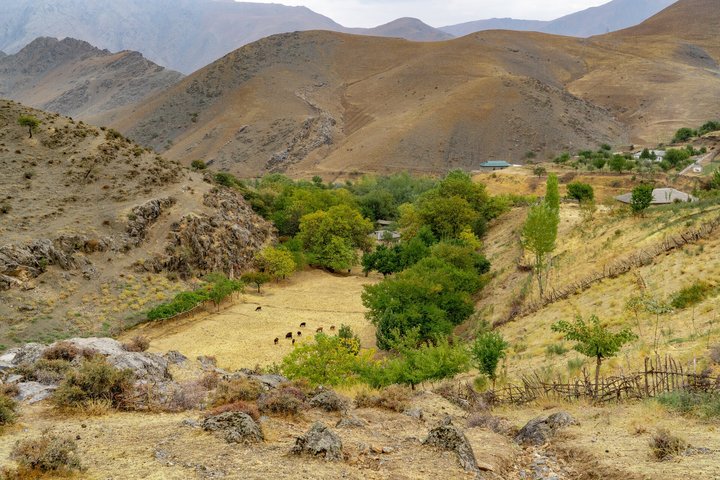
(321, 102)
(74, 78)
(89, 220)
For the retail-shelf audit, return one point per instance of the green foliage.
(703, 405)
(642, 197)
(8, 410)
(690, 296)
(276, 262)
(383, 260)
(349, 338)
(198, 165)
(552, 192)
(487, 350)
(539, 234)
(647, 155)
(582, 192)
(28, 121)
(715, 179)
(710, 126)
(183, 302)
(256, 278)
(227, 180)
(618, 163)
(676, 157)
(556, 349)
(220, 287)
(683, 135)
(95, 379)
(327, 361)
(539, 171)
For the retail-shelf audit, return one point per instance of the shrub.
(237, 389)
(186, 396)
(94, 380)
(48, 454)
(394, 397)
(198, 165)
(556, 349)
(683, 135)
(665, 445)
(240, 406)
(44, 371)
(582, 192)
(488, 349)
(689, 296)
(138, 343)
(183, 302)
(61, 351)
(284, 400)
(327, 361)
(8, 410)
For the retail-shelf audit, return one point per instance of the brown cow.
(299, 334)
(319, 330)
(332, 328)
(276, 340)
(303, 325)
(258, 308)
(288, 335)
(293, 341)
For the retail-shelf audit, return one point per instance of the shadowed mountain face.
(181, 34)
(74, 78)
(612, 16)
(325, 102)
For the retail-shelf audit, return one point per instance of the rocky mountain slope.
(74, 78)
(322, 102)
(612, 16)
(184, 35)
(88, 220)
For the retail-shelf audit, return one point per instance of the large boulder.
(449, 437)
(235, 427)
(319, 441)
(541, 429)
(33, 392)
(329, 401)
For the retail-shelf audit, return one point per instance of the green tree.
(327, 361)
(28, 121)
(715, 180)
(642, 197)
(708, 127)
(383, 260)
(594, 340)
(276, 262)
(198, 165)
(256, 278)
(539, 171)
(331, 238)
(552, 192)
(677, 157)
(683, 135)
(539, 234)
(618, 163)
(581, 191)
(221, 287)
(446, 216)
(487, 350)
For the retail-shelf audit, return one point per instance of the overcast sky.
(438, 13)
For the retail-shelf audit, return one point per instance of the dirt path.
(242, 337)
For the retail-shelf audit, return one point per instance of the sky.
(438, 13)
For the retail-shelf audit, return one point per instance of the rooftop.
(662, 196)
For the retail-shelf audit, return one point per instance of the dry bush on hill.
(665, 445)
(137, 344)
(49, 454)
(394, 397)
(237, 389)
(240, 406)
(284, 400)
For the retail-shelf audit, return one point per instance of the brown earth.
(331, 104)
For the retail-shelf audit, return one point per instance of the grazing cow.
(288, 335)
(303, 325)
(332, 328)
(319, 330)
(258, 308)
(293, 341)
(299, 334)
(276, 340)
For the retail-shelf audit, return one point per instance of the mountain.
(329, 103)
(612, 16)
(83, 210)
(184, 35)
(74, 78)
(407, 28)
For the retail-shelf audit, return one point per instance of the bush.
(198, 165)
(689, 296)
(237, 389)
(240, 406)
(284, 400)
(138, 343)
(48, 454)
(683, 135)
(94, 380)
(703, 405)
(327, 361)
(665, 445)
(61, 351)
(394, 397)
(8, 410)
(556, 349)
(582, 192)
(183, 302)
(44, 371)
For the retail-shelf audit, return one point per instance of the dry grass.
(240, 337)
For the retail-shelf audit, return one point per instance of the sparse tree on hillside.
(256, 278)
(642, 197)
(594, 340)
(488, 349)
(538, 236)
(581, 192)
(276, 262)
(539, 171)
(552, 194)
(29, 121)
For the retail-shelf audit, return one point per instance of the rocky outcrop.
(329, 401)
(143, 216)
(541, 429)
(225, 240)
(235, 427)
(319, 441)
(449, 437)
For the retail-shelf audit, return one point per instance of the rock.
(319, 441)
(329, 401)
(236, 427)
(190, 423)
(270, 381)
(449, 437)
(387, 450)
(174, 357)
(350, 421)
(539, 430)
(13, 379)
(28, 353)
(208, 363)
(414, 413)
(33, 392)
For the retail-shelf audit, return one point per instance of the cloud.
(369, 13)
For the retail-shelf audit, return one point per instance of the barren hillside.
(321, 102)
(74, 78)
(89, 219)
